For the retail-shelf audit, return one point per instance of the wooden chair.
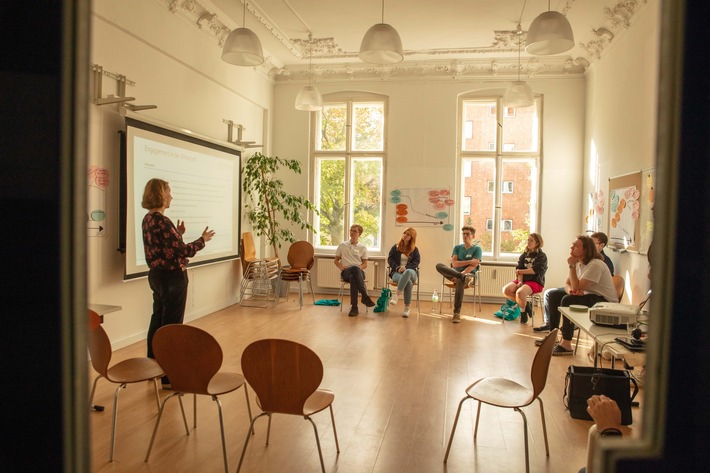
(132, 370)
(259, 286)
(300, 261)
(393, 283)
(285, 376)
(191, 359)
(619, 286)
(509, 394)
(451, 285)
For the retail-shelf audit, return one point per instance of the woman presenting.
(167, 256)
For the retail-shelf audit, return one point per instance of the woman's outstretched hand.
(207, 234)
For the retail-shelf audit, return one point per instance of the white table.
(599, 333)
(103, 309)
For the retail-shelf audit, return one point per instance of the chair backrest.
(300, 255)
(541, 364)
(619, 285)
(99, 345)
(189, 356)
(248, 248)
(282, 373)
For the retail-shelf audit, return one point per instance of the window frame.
(499, 156)
(350, 156)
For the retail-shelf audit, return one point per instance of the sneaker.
(405, 312)
(367, 301)
(539, 341)
(561, 351)
(524, 317)
(394, 299)
(353, 311)
(457, 318)
(542, 328)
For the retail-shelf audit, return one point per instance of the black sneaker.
(353, 312)
(367, 301)
(542, 328)
(527, 313)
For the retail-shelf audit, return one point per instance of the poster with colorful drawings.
(625, 211)
(96, 200)
(422, 207)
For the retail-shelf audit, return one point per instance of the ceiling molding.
(214, 23)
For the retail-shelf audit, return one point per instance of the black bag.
(582, 382)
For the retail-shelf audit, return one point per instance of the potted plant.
(270, 204)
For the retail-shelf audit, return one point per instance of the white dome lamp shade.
(549, 33)
(519, 93)
(308, 98)
(242, 47)
(381, 44)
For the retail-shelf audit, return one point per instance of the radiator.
(328, 275)
(493, 278)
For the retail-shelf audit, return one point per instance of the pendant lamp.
(242, 47)
(519, 93)
(381, 44)
(549, 33)
(309, 98)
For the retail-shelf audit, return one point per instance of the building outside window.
(349, 151)
(502, 180)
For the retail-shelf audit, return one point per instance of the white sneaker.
(394, 299)
(405, 313)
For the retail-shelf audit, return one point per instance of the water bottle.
(434, 300)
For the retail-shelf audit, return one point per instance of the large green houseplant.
(271, 206)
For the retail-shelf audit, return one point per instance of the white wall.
(178, 68)
(621, 123)
(422, 145)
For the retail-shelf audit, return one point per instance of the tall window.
(500, 169)
(349, 153)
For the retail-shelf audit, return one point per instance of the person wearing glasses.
(403, 260)
(465, 260)
(351, 260)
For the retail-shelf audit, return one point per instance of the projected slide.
(204, 180)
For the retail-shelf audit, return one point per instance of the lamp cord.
(244, 17)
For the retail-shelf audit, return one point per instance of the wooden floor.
(397, 384)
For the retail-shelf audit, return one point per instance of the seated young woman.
(403, 260)
(530, 279)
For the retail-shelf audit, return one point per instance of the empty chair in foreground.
(285, 376)
(510, 394)
(132, 370)
(191, 359)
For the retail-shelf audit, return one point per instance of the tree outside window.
(349, 157)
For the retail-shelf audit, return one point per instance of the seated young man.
(351, 259)
(465, 259)
(600, 241)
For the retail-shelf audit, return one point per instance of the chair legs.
(268, 433)
(525, 429)
(453, 428)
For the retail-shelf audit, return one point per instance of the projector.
(612, 314)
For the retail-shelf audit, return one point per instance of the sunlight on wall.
(594, 171)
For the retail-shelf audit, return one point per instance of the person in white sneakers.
(465, 259)
(403, 261)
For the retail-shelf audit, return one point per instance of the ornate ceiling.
(455, 39)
